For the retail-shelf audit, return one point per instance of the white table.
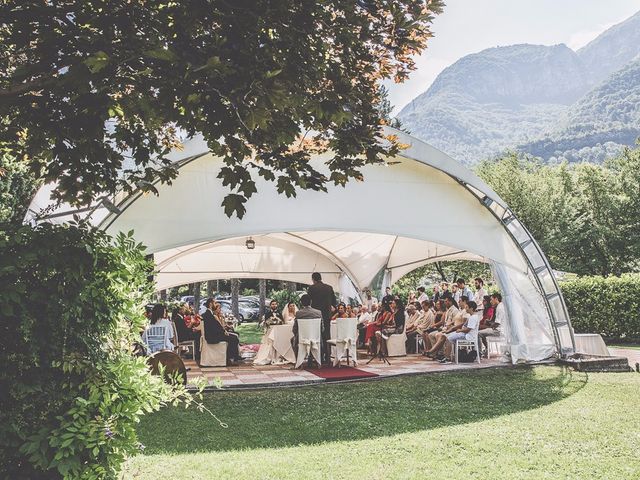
(590, 343)
(276, 346)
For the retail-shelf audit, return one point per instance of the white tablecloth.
(276, 346)
(590, 343)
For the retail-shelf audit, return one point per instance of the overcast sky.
(468, 26)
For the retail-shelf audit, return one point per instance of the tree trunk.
(291, 286)
(235, 291)
(262, 289)
(196, 294)
(163, 296)
(210, 288)
(440, 270)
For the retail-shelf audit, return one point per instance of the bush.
(284, 297)
(609, 306)
(71, 392)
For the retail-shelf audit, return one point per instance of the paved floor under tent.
(248, 375)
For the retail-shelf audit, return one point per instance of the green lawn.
(629, 346)
(250, 333)
(524, 423)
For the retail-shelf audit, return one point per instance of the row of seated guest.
(389, 318)
(462, 321)
(215, 330)
(344, 311)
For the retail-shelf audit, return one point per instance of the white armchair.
(309, 340)
(344, 343)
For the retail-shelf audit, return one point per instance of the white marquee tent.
(384, 224)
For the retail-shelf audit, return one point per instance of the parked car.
(247, 311)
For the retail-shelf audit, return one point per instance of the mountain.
(612, 50)
(547, 100)
(599, 124)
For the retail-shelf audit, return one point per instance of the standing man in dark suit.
(214, 332)
(323, 298)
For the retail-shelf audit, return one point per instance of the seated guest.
(467, 331)
(437, 338)
(214, 331)
(369, 300)
(289, 312)
(363, 320)
(411, 327)
(455, 292)
(412, 297)
(480, 294)
(158, 318)
(381, 318)
(341, 312)
(436, 293)
(444, 291)
(349, 311)
(399, 314)
(388, 326)
(356, 311)
(272, 316)
(426, 321)
(422, 295)
(305, 312)
(186, 328)
(463, 289)
(490, 324)
(387, 296)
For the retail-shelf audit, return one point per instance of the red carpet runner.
(342, 373)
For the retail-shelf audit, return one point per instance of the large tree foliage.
(584, 216)
(95, 87)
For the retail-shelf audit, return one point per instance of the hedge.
(609, 306)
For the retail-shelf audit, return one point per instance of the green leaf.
(161, 53)
(234, 203)
(97, 61)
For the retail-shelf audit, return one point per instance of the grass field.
(630, 346)
(524, 423)
(250, 333)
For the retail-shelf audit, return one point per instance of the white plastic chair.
(155, 337)
(468, 343)
(309, 340)
(345, 340)
(494, 340)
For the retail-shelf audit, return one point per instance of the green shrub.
(71, 392)
(284, 297)
(609, 306)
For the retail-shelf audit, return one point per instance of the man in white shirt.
(478, 297)
(369, 300)
(423, 296)
(468, 331)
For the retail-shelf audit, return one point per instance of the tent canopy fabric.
(293, 256)
(422, 206)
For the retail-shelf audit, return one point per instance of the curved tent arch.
(386, 207)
